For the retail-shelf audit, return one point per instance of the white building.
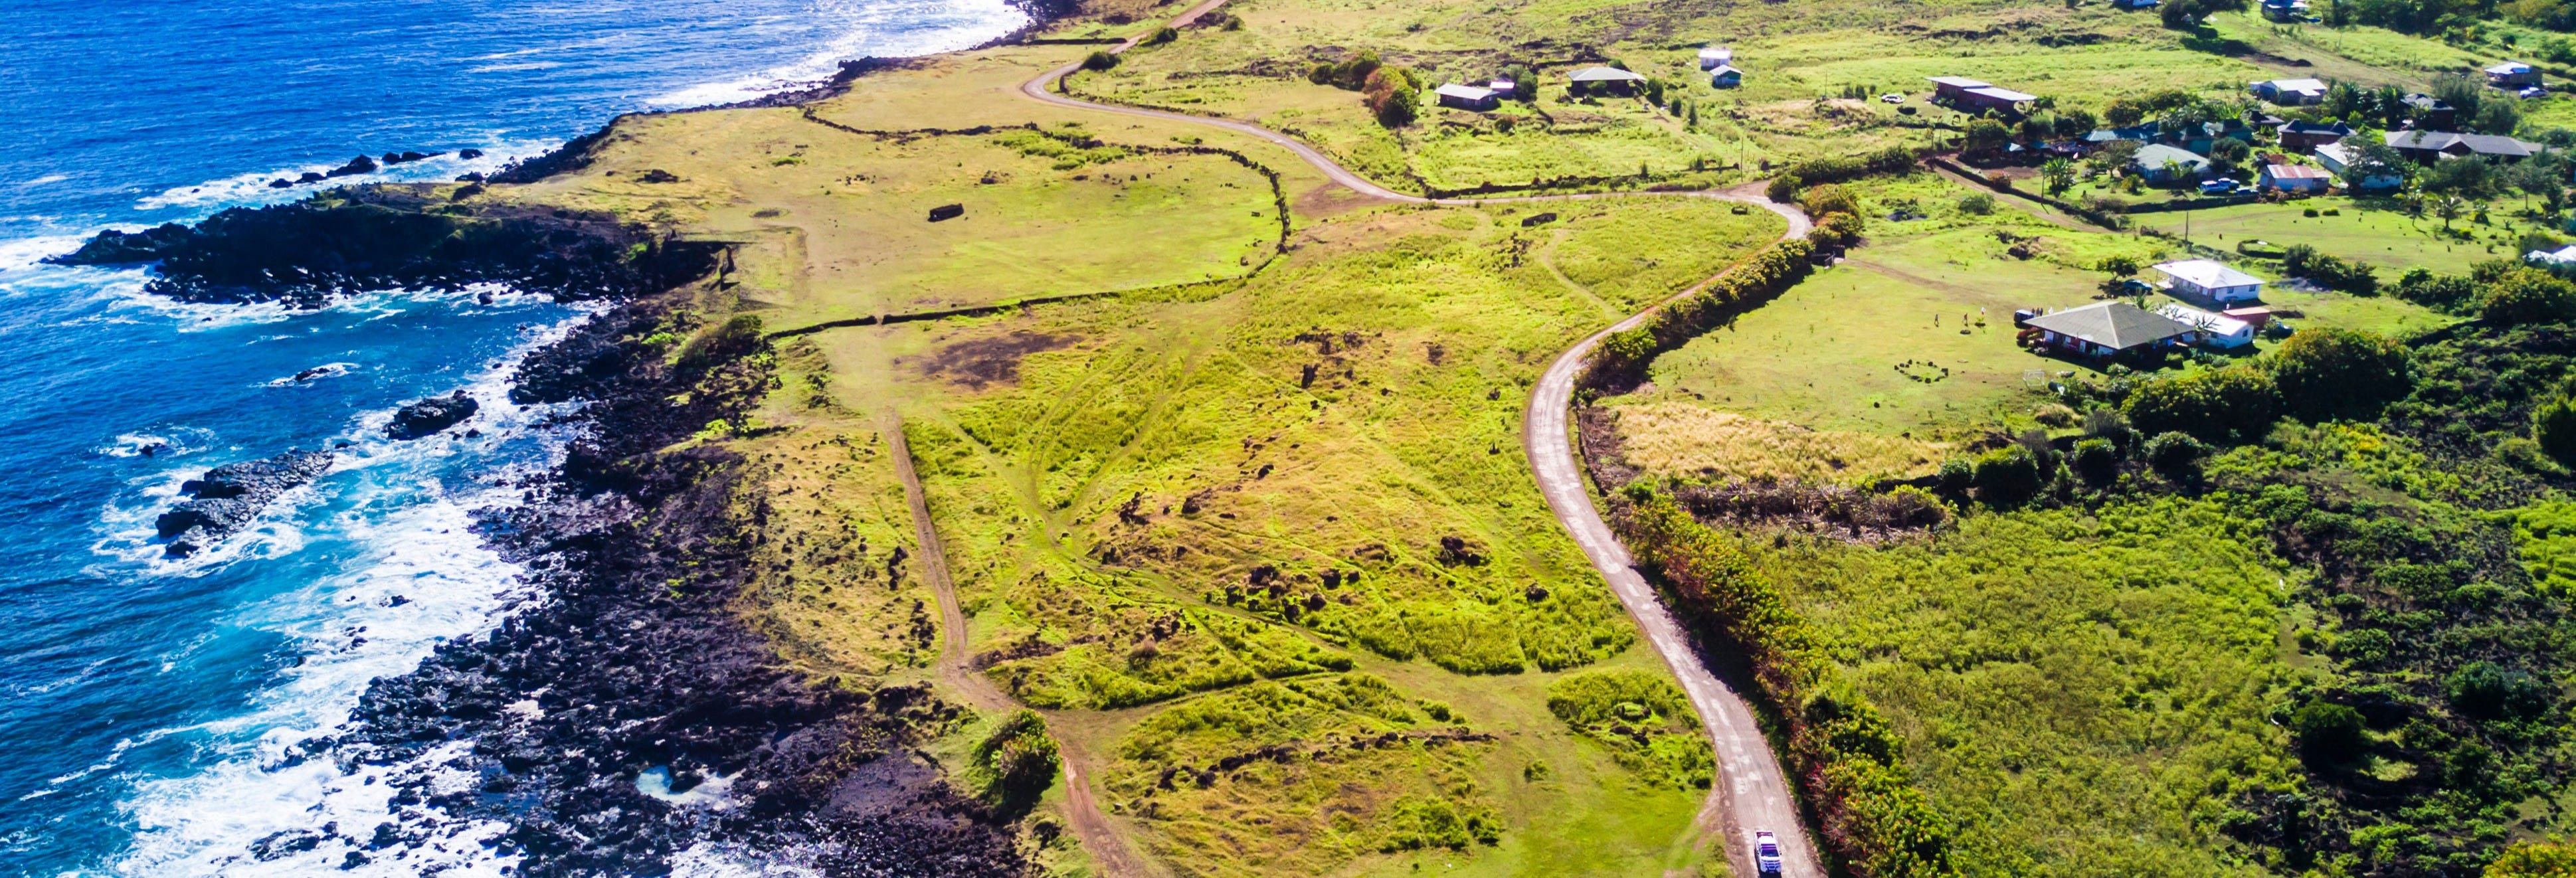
(2563, 257)
(1714, 57)
(2211, 330)
(2210, 282)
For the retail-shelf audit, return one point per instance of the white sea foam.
(423, 578)
(253, 189)
(880, 29)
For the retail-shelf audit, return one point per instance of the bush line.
(1620, 361)
(1848, 760)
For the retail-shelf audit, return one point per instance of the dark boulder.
(946, 212)
(113, 247)
(469, 154)
(228, 496)
(657, 175)
(431, 415)
(311, 177)
(280, 183)
(359, 165)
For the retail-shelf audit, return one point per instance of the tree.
(1782, 189)
(2176, 172)
(2059, 175)
(2462, 93)
(1099, 61)
(2449, 207)
(2175, 455)
(2527, 295)
(2120, 267)
(2497, 117)
(1986, 135)
(2555, 858)
(2553, 427)
(2341, 373)
(2328, 731)
(1390, 97)
(2219, 405)
(1524, 82)
(2007, 475)
(1829, 198)
(2096, 460)
(2229, 151)
(1017, 762)
(2488, 690)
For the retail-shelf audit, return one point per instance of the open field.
(2366, 231)
(1161, 522)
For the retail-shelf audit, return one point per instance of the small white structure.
(1725, 76)
(2210, 282)
(1713, 57)
(1465, 97)
(1503, 86)
(2291, 91)
(2211, 330)
(2563, 257)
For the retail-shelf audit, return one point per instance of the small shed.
(1609, 79)
(2208, 282)
(1954, 88)
(1713, 57)
(1503, 87)
(2105, 329)
(2295, 178)
(2513, 74)
(2310, 135)
(1725, 76)
(2285, 10)
(1995, 98)
(1466, 97)
(2210, 330)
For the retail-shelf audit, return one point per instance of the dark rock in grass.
(657, 175)
(431, 415)
(946, 212)
(228, 496)
(1538, 220)
(359, 165)
(469, 154)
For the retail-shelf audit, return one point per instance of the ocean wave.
(253, 189)
(268, 805)
(886, 30)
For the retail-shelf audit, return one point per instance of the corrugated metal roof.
(2115, 325)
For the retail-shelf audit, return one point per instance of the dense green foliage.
(1622, 358)
(1017, 762)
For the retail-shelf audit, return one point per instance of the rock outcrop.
(228, 496)
(431, 415)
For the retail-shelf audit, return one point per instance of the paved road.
(1751, 792)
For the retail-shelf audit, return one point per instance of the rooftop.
(2482, 144)
(2298, 84)
(1959, 81)
(2510, 67)
(2115, 325)
(1464, 92)
(2154, 155)
(2296, 172)
(2336, 128)
(2002, 94)
(1723, 69)
(1606, 74)
(2207, 274)
(2199, 319)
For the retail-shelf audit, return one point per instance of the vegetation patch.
(1642, 717)
(1683, 439)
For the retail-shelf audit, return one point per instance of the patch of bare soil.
(983, 361)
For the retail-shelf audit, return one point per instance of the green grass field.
(2382, 237)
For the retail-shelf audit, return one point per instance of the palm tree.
(2449, 208)
(2059, 173)
(2175, 170)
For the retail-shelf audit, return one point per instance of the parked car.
(2532, 91)
(2220, 186)
(1893, 97)
(1766, 853)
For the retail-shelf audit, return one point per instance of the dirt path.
(1752, 792)
(957, 670)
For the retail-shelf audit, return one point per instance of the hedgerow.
(1620, 360)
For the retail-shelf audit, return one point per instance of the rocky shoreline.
(635, 660)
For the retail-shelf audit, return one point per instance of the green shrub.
(2222, 405)
(2487, 690)
(1017, 762)
(1782, 189)
(2096, 460)
(2334, 372)
(1828, 199)
(1977, 203)
(737, 336)
(1099, 60)
(2008, 475)
(1161, 36)
(1956, 475)
(2175, 455)
(2527, 295)
(1417, 822)
(2329, 731)
(2553, 425)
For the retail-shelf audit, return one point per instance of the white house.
(2210, 282)
(1714, 57)
(2563, 257)
(1465, 97)
(2291, 91)
(2213, 330)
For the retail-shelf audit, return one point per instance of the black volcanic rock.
(228, 496)
(431, 415)
(469, 154)
(367, 238)
(359, 165)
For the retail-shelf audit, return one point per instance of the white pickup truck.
(1766, 853)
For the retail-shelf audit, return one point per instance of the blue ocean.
(150, 707)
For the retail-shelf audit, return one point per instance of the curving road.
(1751, 793)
